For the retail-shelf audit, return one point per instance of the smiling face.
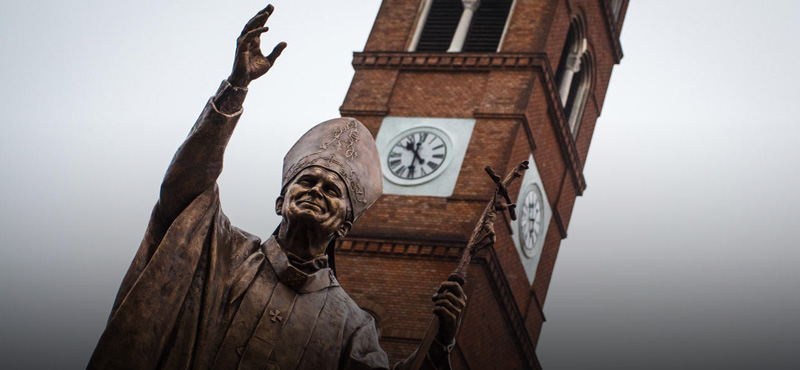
(316, 198)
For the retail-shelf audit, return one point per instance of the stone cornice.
(483, 62)
(445, 61)
(399, 248)
(362, 112)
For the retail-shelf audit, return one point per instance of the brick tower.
(447, 87)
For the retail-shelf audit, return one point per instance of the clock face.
(531, 218)
(418, 154)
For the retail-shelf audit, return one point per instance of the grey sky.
(682, 252)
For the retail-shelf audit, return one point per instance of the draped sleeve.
(174, 305)
(362, 350)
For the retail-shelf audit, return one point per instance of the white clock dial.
(531, 218)
(417, 155)
(442, 144)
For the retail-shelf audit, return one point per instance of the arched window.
(461, 25)
(574, 75)
(578, 94)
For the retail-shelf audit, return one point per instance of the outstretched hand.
(250, 62)
(449, 302)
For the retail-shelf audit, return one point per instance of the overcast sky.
(682, 253)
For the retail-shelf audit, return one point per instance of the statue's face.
(318, 197)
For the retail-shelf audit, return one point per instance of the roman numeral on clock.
(423, 136)
(417, 154)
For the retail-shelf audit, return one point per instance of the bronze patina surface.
(203, 294)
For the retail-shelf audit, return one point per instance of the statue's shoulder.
(243, 245)
(244, 236)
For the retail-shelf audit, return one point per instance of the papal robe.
(203, 294)
(211, 296)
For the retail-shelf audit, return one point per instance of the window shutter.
(440, 25)
(487, 26)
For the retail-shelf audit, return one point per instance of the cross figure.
(276, 315)
(502, 188)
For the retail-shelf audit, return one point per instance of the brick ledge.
(400, 248)
(484, 62)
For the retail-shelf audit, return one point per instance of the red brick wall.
(436, 94)
(548, 153)
(421, 217)
(370, 90)
(398, 290)
(393, 26)
(484, 338)
(507, 91)
(403, 287)
(397, 287)
(530, 20)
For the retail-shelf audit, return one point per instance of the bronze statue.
(203, 294)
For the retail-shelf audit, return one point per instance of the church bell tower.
(447, 87)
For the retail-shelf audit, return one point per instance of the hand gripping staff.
(482, 236)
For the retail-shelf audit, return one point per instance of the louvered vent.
(487, 26)
(440, 25)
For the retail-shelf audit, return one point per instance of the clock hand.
(416, 154)
(421, 161)
(410, 146)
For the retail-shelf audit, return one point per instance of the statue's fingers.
(443, 313)
(276, 52)
(453, 293)
(258, 20)
(447, 305)
(267, 9)
(446, 318)
(253, 23)
(264, 14)
(449, 296)
(252, 37)
(449, 285)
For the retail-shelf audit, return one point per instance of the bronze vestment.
(203, 294)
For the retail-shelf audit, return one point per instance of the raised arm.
(198, 162)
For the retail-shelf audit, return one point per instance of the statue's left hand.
(449, 302)
(250, 62)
